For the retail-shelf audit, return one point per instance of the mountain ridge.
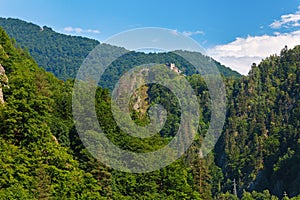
(63, 54)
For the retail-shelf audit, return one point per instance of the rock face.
(3, 82)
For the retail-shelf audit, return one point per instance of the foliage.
(42, 156)
(32, 164)
(260, 144)
(57, 53)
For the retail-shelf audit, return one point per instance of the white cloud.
(289, 20)
(242, 52)
(175, 32)
(93, 31)
(191, 33)
(187, 33)
(70, 29)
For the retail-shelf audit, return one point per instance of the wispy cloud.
(77, 30)
(188, 33)
(191, 33)
(286, 21)
(175, 32)
(242, 52)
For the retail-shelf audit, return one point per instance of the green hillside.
(260, 147)
(42, 157)
(57, 53)
(33, 164)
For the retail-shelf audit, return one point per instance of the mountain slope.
(42, 156)
(57, 53)
(33, 164)
(260, 147)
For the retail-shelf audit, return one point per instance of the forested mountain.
(33, 165)
(42, 157)
(260, 147)
(62, 54)
(57, 53)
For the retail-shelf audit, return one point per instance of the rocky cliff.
(3, 82)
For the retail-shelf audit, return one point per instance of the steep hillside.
(42, 156)
(260, 147)
(33, 164)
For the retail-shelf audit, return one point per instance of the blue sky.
(235, 32)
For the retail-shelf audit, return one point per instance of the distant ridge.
(63, 54)
(57, 53)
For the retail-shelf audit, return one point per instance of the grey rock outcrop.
(3, 82)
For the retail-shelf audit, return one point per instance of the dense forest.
(257, 156)
(57, 53)
(63, 54)
(260, 147)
